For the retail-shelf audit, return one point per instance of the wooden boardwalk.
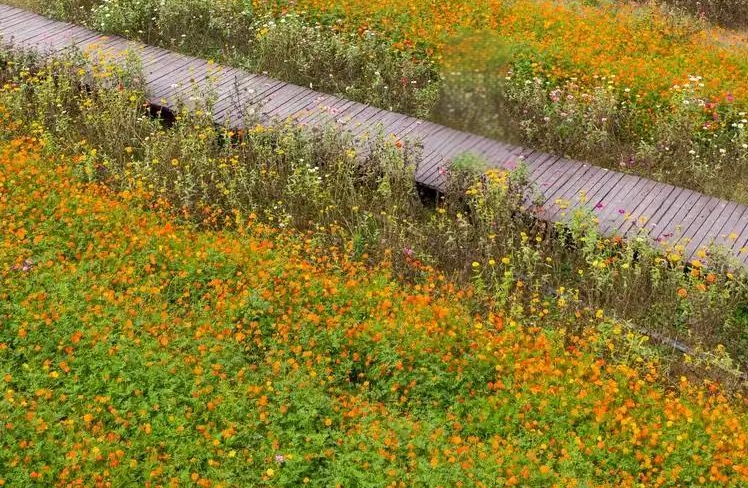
(624, 204)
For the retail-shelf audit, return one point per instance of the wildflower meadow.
(189, 304)
(140, 351)
(648, 89)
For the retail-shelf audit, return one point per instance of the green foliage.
(483, 230)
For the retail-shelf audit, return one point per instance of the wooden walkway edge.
(624, 204)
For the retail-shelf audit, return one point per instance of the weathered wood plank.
(648, 206)
(669, 223)
(615, 199)
(703, 222)
(567, 195)
(632, 201)
(712, 234)
(682, 220)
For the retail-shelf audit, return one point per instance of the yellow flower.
(270, 472)
(505, 260)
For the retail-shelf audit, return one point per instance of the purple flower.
(408, 252)
(27, 265)
(599, 205)
(621, 211)
(280, 458)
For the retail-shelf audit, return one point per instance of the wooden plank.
(551, 173)
(496, 152)
(21, 32)
(668, 224)
(615, 198)
(630, 202)
(405, 132)
(301, 100)
(357, 122)
(347, 115)
(733, 231)
(58, 42)
(229, 95)
(279, 97)
(482, 147)
(597, 196)
(741, 229)
(437, 146)
(566, 171)
(260, 87)
(154, 59)
(567, 194)
(197, 85)
(683, 219)
(20, 17)
(562, 170)
(514, 155)
(713, 235)
(293, 106)
(584, 182)
(160, 74)
(237, 99)
(9, 10)
(436, 154)
(389, 124)
(696, 220)
(19, 28)
(567, 181)
(327, 115)
(701, 227)
(400, 123)
(72, 41)
(319, 103)
(648, 205)
(11, 29)
(33, 37)
(539, 163)
(425, 129)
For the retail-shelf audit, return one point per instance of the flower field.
(642, 88)
(137, 350)
(636, 49)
